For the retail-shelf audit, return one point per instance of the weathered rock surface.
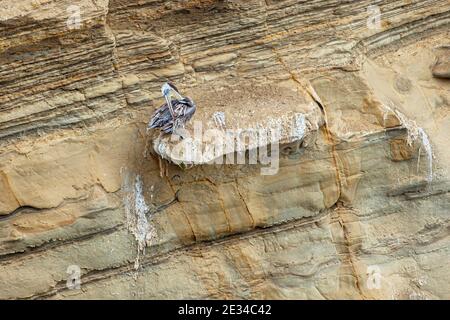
(361, 210)
(441, 68)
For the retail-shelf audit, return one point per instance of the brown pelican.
(174, 113)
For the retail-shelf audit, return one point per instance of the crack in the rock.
(7, 258)
(329, 136)
(182, 207)
(245, 203)
(20, 210)
(348, 253)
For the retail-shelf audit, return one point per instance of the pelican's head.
(169, 87)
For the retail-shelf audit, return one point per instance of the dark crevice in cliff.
(30, 209)
(21, 210)
(161, 207)
(9, 257)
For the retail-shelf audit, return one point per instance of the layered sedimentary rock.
(359, 207)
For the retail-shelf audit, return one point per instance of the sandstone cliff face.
(359, 207)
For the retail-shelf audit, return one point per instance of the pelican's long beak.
(169, 104)
(178, 94)
(172, 87)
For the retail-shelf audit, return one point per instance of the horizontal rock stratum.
(358, 208)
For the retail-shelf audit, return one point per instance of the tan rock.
(441, 68)
(357, 209)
